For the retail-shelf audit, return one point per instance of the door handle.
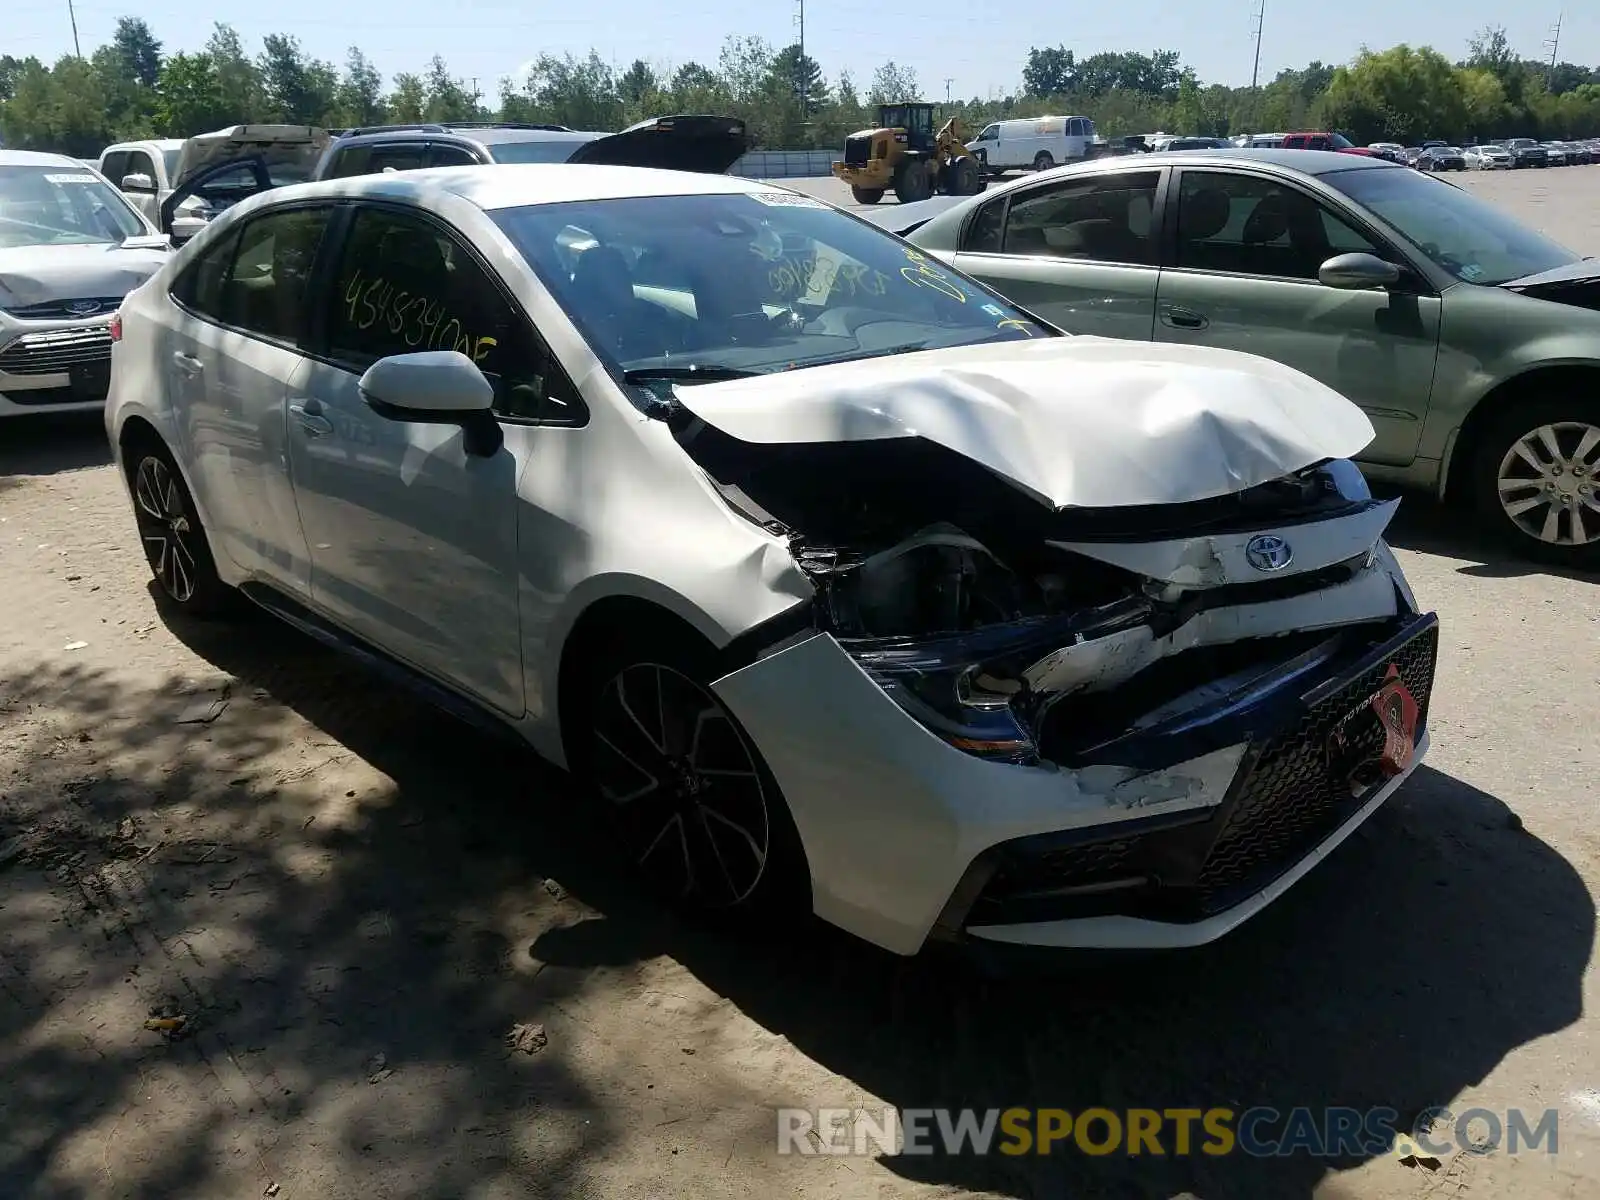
(188, 363)
(308, 415)
(1182, 318)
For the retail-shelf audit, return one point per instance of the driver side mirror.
(436, 387)
(1358, 272)
(138, 182)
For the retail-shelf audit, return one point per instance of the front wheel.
(1537, 481)
(690, 799)
(913, 182)
(174, 541)
(866, 195)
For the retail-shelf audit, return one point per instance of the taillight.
(116, 327)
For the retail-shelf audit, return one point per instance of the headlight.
(971, 689)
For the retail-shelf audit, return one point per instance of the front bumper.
(60, 365)
(1169, 835)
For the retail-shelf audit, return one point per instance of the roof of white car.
(517, 185)
(37, 158)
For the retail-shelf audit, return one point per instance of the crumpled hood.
(32, 275)
(1073, 421)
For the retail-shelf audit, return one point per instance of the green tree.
(360, 93)
(409, 98)
(892, 83)
(238, 82)
(189, 96)
(1049, 71)
(446, 99)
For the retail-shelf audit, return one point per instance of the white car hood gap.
(1072, 421)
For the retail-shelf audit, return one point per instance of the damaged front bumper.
(1157, 812)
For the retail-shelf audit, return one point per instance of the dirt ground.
(356, 903)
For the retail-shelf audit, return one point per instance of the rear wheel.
(690, 799)
(174, 541)
(1537, 480)
(866, 195)
(1043, 161)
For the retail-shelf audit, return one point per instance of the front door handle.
(1179, 317)
(308, 415)
(188, 363)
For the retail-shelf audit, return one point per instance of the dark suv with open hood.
(686, 142)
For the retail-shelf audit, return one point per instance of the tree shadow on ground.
(155, 861)
(1400, 972)
(1453, 530)
(50, 443)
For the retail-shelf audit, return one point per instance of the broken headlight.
(946, 685)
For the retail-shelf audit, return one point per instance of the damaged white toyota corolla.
(841, 579)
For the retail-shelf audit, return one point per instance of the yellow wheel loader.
(907, 155)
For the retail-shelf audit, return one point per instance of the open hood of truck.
(708, 145)
(290, 152)
(1072, 422)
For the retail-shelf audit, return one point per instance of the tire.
(965, 178)
(1504, 481)
(1043, 161)
(174, 541)
(686, 792)
(912, 182)
(866, 195)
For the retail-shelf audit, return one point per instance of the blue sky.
(939, 39)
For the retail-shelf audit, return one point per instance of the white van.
(1037, 142)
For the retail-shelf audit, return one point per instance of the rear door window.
(265, 287)
(1105, 218)
(451, 156)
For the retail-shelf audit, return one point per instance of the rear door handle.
(1179, 317)
(308, 415)
(188, 363)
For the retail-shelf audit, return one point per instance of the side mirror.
(184, 228)
(436, 387)
(1358, 272)
(138, 182)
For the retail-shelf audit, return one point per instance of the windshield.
(748, 283)
(545, 150)
(61, 206)
(1340, 142)
(1472, 240)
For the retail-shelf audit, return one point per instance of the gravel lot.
(356, 903)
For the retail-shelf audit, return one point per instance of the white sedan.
(71, 246)
(1488, 158)
(842, 582)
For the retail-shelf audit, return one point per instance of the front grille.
(56, 351)
(1291, 798)
(857, 149)
(62, 310)
(1287, 797)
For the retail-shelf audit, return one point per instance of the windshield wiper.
(688, 373)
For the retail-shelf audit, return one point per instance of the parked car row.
(72, 244)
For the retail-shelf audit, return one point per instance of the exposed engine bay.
(984, 610)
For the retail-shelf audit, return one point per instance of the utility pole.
(1553, 44)
(1255, 71)
(805, 75)
(947, 84)
(77, 50)
(475, 95)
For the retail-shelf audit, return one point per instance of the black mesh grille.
(857, 149)
(1291, 793)
(1291, 797)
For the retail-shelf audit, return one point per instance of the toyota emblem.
(1268, 552)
